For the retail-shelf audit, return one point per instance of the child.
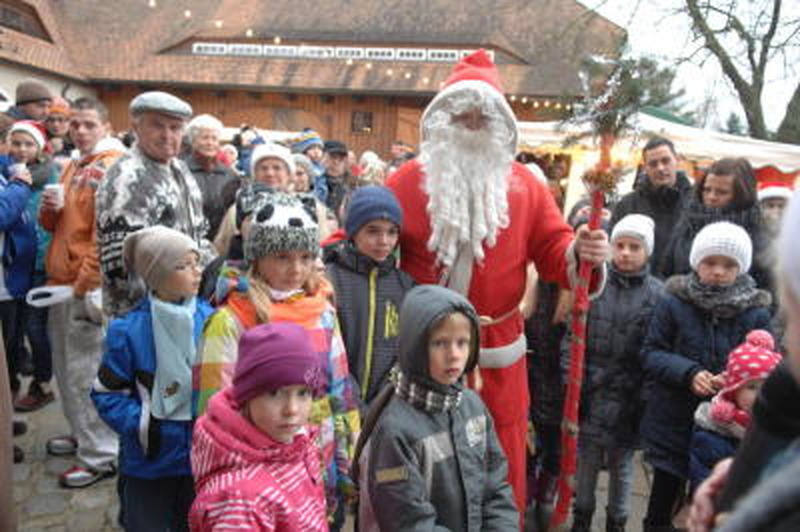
(254, 455)
(433, 460)
(369, 287)
(281, 284)
(17, 251)
(720, 424)
(699, 320)
(27, 144)
(611, 396)
(143, 388)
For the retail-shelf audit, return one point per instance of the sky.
(655, 31)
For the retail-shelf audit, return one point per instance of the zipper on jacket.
(373, 277)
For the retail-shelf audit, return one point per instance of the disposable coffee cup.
(56, 191)
(17, 169)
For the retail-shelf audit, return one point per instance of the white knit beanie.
(789, 251)
(725, 239)
(270, 149)
(636, 226)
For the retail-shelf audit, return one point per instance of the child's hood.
(422, 306)
(225, 441)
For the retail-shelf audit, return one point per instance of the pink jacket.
(246, 480)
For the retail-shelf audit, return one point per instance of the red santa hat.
(33, 129)
(774, 189)
(475, 72)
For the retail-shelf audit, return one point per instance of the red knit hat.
(475, 72)
(753, 360)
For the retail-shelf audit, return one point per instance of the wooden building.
(357, 70)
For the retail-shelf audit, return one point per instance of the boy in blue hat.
(369, 287)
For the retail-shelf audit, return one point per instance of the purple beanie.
(272, 356)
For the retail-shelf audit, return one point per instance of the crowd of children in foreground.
(248, 417)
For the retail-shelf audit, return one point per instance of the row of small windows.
(331, 52)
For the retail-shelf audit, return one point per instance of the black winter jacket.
(368, 298)
(611, 401)
(218, 187)
(682, 340)
(662, 204)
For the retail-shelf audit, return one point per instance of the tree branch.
(766, 42)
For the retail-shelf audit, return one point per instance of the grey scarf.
(720, 301)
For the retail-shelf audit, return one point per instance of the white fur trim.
(478, 86)
(504, 355)
(775, 192)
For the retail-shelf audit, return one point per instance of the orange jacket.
(72, 257)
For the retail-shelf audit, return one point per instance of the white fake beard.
(466, 179)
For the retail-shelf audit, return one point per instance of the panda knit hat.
(725, 239)
(280, 223)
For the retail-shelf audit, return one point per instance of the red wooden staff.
(598, 181)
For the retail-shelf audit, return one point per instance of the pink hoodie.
(246, 480)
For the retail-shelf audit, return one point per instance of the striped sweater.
(247, 481)
(334, 413)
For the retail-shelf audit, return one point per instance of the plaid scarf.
(423, 396)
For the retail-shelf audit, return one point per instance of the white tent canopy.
(690, 142)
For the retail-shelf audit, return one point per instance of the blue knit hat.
(308, 138)
(372, 203)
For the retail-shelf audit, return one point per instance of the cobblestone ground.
(43, 506)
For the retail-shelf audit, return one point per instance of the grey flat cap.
(160, 102)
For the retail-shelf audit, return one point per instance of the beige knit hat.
(153, 253)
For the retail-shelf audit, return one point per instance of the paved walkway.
(43, 506)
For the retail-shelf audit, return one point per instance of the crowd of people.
(276, 336)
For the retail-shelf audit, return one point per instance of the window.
(361, 123)
(23, 18)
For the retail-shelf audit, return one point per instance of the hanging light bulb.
(349, 61)
(151, 3)
(524, 100)
(187, 13)
(276, 40)
(218, 23)
(249, 32)
(389, 72)
(426, 80)
(369, 66)
(407, 75)
(513, 98)
(547, 103)
(535, 105)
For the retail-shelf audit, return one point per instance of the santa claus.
(473, 219)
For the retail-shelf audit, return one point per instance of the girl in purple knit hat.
(254, 455)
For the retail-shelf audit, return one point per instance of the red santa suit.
(537, 233)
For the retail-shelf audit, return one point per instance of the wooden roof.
(539, 44)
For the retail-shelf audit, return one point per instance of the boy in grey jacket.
(432, 460)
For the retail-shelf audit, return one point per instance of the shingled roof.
(538, 44)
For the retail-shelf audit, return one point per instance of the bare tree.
(745, 37)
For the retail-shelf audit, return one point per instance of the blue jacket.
(149, 448)
(19, 249)
(683, 339)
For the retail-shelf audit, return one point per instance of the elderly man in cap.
(148, 186)
(475, 219)
(33, 101)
